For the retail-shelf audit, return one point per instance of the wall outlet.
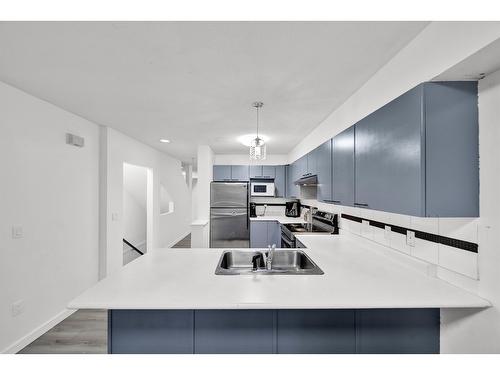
(17, 232)
(387, 232)
(18, 307)
(410, 238)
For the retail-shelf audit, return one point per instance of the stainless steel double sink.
(285, 262)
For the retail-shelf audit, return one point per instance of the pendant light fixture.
(257, 146)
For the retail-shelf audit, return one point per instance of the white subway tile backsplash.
(367, 230)
(425, 250)
(398, 242)
(380, 237)
(461, 261)
(425, 224)
(464, 229)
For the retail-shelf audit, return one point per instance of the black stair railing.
(133, 247)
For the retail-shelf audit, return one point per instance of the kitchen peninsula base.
(256, 331)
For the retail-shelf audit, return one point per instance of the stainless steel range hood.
(310, 180)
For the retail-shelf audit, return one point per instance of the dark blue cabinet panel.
(258, 234)
(280, 181)
(150, 331)
(389, 157)
(300, 167)
(274, 331)
(274, 234)
(239, 172)
(397, 331)
(343, 168)
(264, 234)
(222, 173)
(268, 171)
(312, 161)
(255, 171)
(324, 171)
(234, 331)
(452, 149)
(316, 331)
(293, 191)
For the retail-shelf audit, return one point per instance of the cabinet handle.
(361, 204)
(332, 201)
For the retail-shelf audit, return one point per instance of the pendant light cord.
(257, 122)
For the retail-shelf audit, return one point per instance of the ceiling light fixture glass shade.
(258, 146)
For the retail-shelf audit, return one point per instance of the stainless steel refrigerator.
(229, 216)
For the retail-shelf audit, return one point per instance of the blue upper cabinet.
(222, 173)
(343, 168)
(292, 190)
(389, 158)
(323, 162)
(300, 169)
(451, 149)
(312, 161)
(263, 171)
(280, 181)
(418, 155)
(239, 173)
(230, 173)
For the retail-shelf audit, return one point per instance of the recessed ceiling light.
(163, 140)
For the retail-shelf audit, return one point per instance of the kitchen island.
(171, 301)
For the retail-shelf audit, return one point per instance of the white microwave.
(262, 189)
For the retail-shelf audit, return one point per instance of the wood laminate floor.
(84, 332)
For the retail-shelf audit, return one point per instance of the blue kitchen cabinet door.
(239, 173)
(234, 332)
(150, 331)
(451, 149)
(258, 234)
(255, 171)
(312, 161)
(316, 332)
(397, 331)
(268, 171)
(324, 171)
(300, 169)
(222, 173)
(293, 191)
(280, 181)
(274, 234)
(343, 168)
(389, 159)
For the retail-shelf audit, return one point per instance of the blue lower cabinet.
(234, 331)
(150, 331)
(304, 331)
(316, 332)
(397, 331)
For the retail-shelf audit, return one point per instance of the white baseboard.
(37, 332)
(178, 239)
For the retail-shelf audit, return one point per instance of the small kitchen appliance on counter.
(253, 209)
(292, 209)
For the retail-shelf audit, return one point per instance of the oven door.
(287, 243)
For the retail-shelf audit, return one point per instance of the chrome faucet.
(270, 255)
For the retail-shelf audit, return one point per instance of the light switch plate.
(18, 307)
(17, 232)
(410, 238)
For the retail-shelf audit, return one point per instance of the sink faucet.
(270, 255)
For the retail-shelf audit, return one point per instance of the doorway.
(137, 183)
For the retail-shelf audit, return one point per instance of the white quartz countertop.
(280, 219)
(356, 275)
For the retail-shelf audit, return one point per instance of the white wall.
(468, 331)
(271, 159)
(166, 229)
(437, 48)
(51, 190)
(205, 177)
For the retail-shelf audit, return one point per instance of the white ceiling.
(194, 82)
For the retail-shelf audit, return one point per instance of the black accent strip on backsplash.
(453, 242)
